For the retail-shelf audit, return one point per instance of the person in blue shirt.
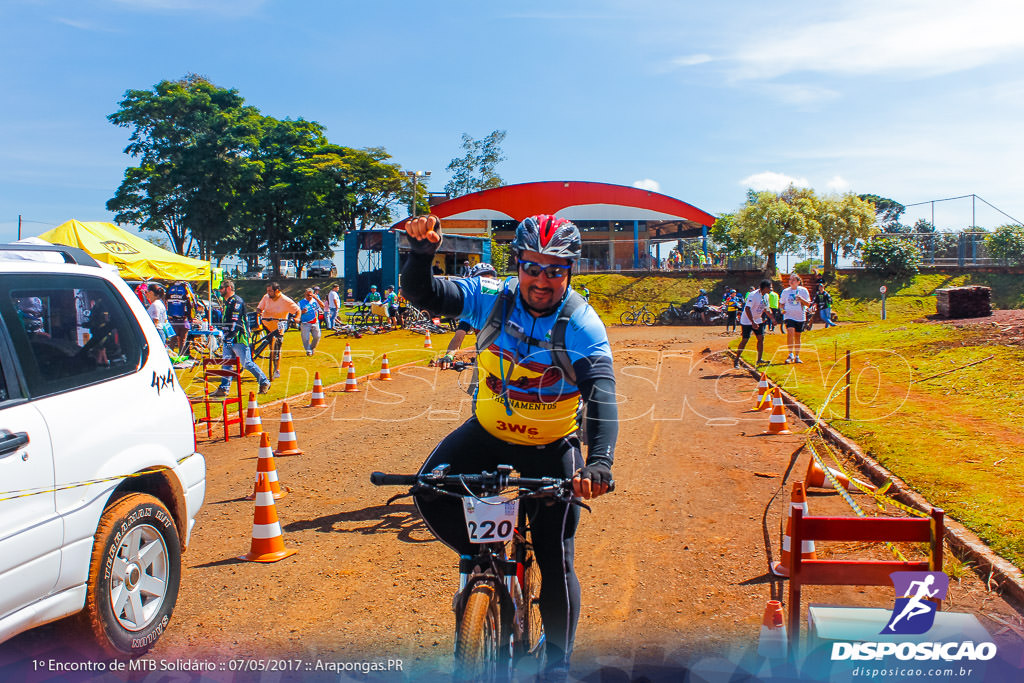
(309, 326)
(527, 411)
(701, 306)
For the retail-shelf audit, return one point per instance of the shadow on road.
(402, 520)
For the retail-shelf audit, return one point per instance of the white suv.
(100, 481)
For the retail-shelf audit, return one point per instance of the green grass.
(956, 439)
(855, 297)
(298, 369)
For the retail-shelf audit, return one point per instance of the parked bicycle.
(637, 315)
(674, 314)
(497, 609)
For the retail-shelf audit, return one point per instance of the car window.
(69, 331)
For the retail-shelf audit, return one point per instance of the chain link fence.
(961, 249)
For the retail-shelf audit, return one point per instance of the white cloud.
(648, 184)
(908, 37)
(773, 182)
(691, 60)
(838, 184)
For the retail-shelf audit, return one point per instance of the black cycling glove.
(427, 247)
(597, 473)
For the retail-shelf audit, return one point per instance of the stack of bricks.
(964, 302)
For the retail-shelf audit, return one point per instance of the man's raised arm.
(418, 283)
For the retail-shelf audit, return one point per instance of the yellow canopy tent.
(135, 258)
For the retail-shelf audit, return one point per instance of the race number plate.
(491, 521)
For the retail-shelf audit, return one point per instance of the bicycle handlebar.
(486, 479)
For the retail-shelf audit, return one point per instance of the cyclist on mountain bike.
(479, 270)
(528, 403)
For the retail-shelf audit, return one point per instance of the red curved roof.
(529, 199)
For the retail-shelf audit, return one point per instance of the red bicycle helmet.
(546, 234)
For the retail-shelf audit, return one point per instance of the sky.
(916, 100)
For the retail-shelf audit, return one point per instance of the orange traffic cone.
(346, 358)
(798, 498)
(773, 643)
(762, 401)
(267, 539)
(777, 420)
(253, 421)
(286, 443)
(350, 381)
(426, 341)
(265, 466)
(816, 477)
(385, 371)
(318, 399)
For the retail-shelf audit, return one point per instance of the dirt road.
(673, 564)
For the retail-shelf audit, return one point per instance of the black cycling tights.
(471, 450)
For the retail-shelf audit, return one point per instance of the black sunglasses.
(552, 272)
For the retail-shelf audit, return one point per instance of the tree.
(842, 222)
(892, 256)
(887, 212)
(191, 138)
(771, 223)
(476, 169)
(1007, 242)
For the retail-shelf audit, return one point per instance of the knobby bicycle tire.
(646, 318)
(533, 628)
(626, 319)
(478, 651)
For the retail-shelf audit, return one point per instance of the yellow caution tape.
(25, 493)
(841, 490)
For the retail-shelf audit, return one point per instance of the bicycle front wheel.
(478, 652)
(646, 318)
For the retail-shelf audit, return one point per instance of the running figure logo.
(914, 611)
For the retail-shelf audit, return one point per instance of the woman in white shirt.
(794, 301)
(157, 310)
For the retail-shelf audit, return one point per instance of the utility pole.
(415, 175)
(19, 227)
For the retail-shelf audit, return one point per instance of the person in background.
(333, 304)
(391, 303)
(373, 297)
(465, 269)
(583, 290)
(403, 305)
(823, 302)
(309, 327)
(794, 299)
(755, 311)
(179, 312)
(157, 309)
(775, 317)
(464, 328)
(701, 306)
(274, 309)
(732, 304)
(236, 339)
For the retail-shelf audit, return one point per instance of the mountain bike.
(675, 315)
(637, 315)
(497, 608)
(264, 339)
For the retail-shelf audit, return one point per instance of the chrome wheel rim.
(138, 578)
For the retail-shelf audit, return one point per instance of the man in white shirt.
(794, 301)
(333, 305)
(752, 320)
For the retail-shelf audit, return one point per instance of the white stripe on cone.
(267, 530)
